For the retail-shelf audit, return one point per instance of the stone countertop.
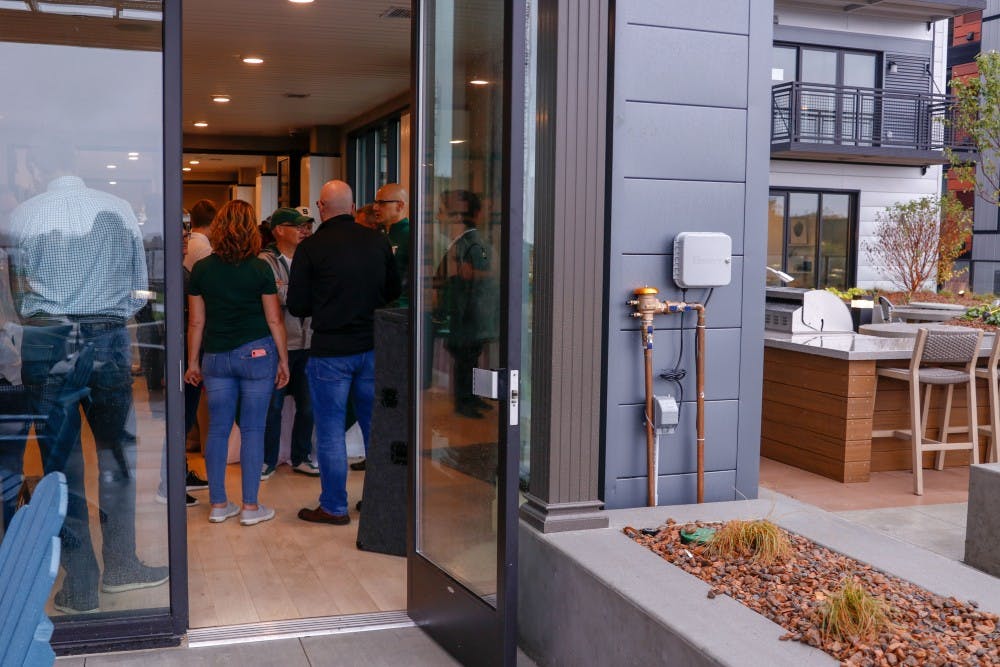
(850, 346)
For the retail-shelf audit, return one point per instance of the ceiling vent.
(396, 13)
(296, 96)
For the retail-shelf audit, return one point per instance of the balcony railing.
(819, 121)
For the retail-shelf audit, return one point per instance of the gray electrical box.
(703, 259)
(666, 413)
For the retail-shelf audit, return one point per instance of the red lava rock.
(926, 629)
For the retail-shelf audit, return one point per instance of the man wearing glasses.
(390, 206)
(289, 228)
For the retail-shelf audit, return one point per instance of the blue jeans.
(331, 381)
(302, 426)
(239, 377)
(86, 364)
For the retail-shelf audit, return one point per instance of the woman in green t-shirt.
(234, 311)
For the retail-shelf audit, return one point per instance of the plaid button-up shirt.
(78, 251)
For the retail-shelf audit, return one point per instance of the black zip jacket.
(340, 275)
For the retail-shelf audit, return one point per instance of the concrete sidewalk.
(376, 648)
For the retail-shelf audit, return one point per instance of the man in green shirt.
(390, 206)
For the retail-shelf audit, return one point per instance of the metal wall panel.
(681, 53)
(665, 206)
(696, 160)
(706, 15)
(679, 142)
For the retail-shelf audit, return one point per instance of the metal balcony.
(870, 125)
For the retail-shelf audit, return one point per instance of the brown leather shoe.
(320, 515)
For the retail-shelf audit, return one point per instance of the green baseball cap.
(288, 216)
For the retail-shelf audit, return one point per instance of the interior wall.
(218, 193)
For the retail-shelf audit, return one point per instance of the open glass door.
(466, 319)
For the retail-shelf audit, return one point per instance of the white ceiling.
(339, 52)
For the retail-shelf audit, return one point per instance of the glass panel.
(81, 376)
(783, 67)
(835, 241)
(819, 103)
(460, 222)
(858, 106)
(775, 236)
(800, 254)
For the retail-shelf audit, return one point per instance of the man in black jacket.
(340, 275)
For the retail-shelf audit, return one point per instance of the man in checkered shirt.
(80, 272)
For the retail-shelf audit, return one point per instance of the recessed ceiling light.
(112, 166)
(253, 60)
(201, 123)
(112, 182)
(133, 154)
(133, 157)
(221, 99)
(185, 168)
(457, 141)
(194, 162)
(479, 82)
(300, 2)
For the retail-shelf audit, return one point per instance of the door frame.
(456, 618)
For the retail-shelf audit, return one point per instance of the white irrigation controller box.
(702, 259)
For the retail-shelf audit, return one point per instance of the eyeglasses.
(383, 202)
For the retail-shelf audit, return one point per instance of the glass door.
(466, 319)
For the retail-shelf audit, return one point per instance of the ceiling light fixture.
(479, 82)
(133, 154)
(221, 99)
(112, 182)
(185, 168)
(112, 166)
(15, 5)
(253, 60)
(201, 123)
(102, 11)
(457, 141)
(133, 157)
(139, 14)
(300, 2)
(194, 162)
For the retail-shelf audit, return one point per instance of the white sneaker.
(307, 467)
(253, 517)
(220, 514)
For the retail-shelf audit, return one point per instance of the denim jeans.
(86, 364)
(331, 381)
(232, 377)
(302, 426)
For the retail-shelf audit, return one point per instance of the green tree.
(976, 117)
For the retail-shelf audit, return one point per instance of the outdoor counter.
(822, 399)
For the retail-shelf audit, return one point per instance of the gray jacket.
(298, 328)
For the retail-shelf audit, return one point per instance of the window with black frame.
(830, 91)
(810, 236)
(373, 159)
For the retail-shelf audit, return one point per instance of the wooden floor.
(284, 568)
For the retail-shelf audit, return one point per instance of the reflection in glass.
(800, 254)
(81, 363)
(460, 191)
(775, 236)
(834, 244)
(858, 106)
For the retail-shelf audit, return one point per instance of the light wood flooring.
(284, 568)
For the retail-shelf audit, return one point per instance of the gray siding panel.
(721, 79)
(722, 379)
(677, 450)
(679, 142)
(692, 156)
(665, 206)
(639, 270)
(705, 15)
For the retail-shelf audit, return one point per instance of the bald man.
(390, 205)
(340, 275)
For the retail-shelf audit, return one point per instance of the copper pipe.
(647, 353)
(700, 378)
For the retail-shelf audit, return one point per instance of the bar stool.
(992, 376)
(937, 347)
